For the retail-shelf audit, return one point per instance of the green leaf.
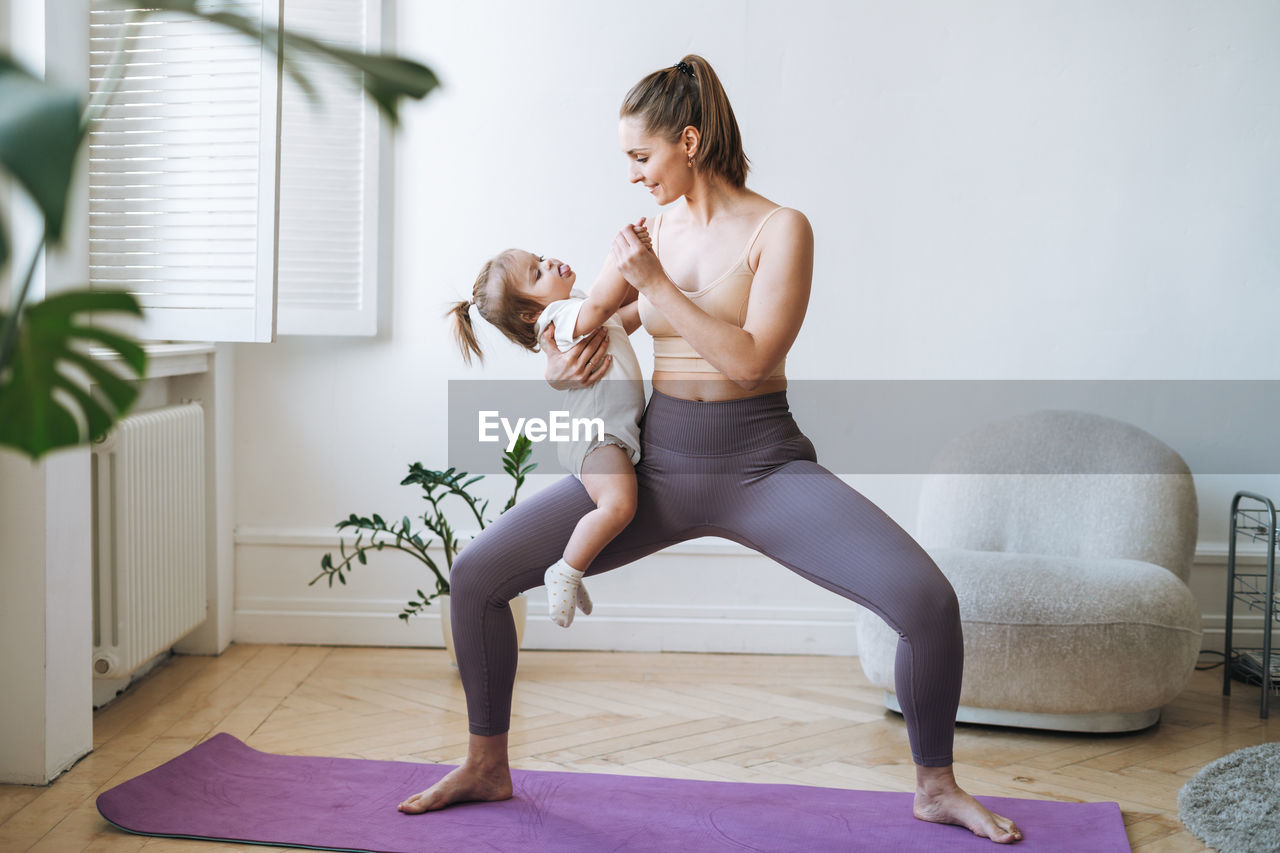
(385, 77)
(377, 519)
(269, 36)
(35, 420)
(364, 561)
(39, 135)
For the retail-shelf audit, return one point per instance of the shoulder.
(779, 222)
(786, 235)
(555, 311)
(788, 220)
(575, 298)
(778, 214)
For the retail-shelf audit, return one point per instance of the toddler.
(521, 294)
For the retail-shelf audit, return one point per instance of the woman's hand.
(633, 253)
(579, 366)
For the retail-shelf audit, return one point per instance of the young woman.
(724, 294)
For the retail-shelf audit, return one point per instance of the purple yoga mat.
(225, 790)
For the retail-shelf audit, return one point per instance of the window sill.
(177, 359)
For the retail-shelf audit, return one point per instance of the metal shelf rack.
(1257, 590)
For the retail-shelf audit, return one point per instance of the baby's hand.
(643, 233)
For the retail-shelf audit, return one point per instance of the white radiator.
(149, 536)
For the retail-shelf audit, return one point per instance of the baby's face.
(546, 280)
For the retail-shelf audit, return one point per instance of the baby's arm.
(610, 292)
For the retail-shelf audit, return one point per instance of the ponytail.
(464, 332)
(498, 303)
(689, 94)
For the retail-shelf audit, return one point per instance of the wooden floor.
(797, 720)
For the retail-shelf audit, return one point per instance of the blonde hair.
(501, 306)
(669, 100)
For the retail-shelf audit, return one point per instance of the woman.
(721, 454)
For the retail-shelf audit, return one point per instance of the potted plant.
(438, 485)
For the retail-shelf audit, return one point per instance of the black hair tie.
(684, 66)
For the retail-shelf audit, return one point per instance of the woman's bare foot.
(463, 785)
(484, 777)
(940, 800)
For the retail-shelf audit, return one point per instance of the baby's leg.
(610, 479)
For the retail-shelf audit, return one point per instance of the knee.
(619, 507)
(489, 577)
(461, 577)
(937, 603)
(931, 606)
(621, 510)
(467, 579)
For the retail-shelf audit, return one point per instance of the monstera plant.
(43, 405)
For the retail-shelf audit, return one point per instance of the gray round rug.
(1233, 804)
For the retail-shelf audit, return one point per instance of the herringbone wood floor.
(797, 720)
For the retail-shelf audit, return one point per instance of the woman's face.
(663, 167)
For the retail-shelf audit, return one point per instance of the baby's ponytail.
(464, 332)
(499, 303)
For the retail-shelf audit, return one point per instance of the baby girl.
(521, 294)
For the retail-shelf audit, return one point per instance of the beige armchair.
(1072, 582)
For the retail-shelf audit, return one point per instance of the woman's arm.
(775, 312)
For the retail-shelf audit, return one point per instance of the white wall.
(46, 719)
(999, 190)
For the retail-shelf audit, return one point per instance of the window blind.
(329, 179)
(182, 173)
(185, 210)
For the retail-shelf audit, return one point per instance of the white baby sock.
(565, 590)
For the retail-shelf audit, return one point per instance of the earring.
(690, 162)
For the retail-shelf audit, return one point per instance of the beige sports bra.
(725, 299)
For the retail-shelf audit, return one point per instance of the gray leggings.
(741, 470)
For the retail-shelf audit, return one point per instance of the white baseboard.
(718, 621)
(611, 627)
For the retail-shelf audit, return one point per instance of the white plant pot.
(519, 611)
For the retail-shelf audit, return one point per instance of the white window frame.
(280, 302)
